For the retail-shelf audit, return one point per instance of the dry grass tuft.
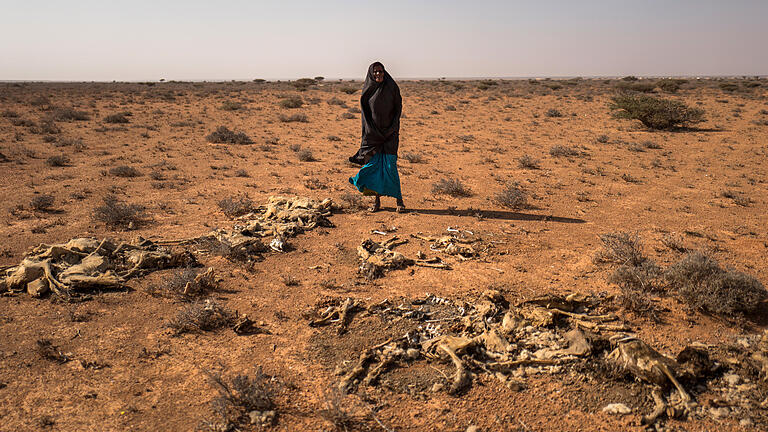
(117, 214)
(201, 317)
(451, 187)
(222, 135)
(512, 196)
(235, 206)
(242, 401)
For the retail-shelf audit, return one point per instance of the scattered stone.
(731, 379)
(473, 428)
(719, 412)
(617, 409)
(262, 418)
(745, 422)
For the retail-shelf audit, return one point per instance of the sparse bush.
(728, 86)
(701, 283)
(305, 155)
(670, 85)
(621, 248)
(450, 108)
(241, 173)
(201, 317)
(231, 106)
(602, 139)
(292, 102)
(42, 202)
(673, 242)
(242, 401)
(119, 118)
(186, 284)
(552, 112)
(58, 161)
(69, 114)
(512, 196)
(412, 157)
(124, 171)
(236, 206)
(222, 135)
(452, 187)
(300, 118)
(348, 90)
(642, 87)
(655, 113)
(303, 83)
(333, 138)
(561, 150)
(336, 411)
(40, 101)
(336, 101)
(117, 214)
(46, 126)
(354, 201)
(527, 161)
(9, 114)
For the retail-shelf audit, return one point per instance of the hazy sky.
(221, 40)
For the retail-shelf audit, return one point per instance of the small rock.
(719, 413)
(731, 379)
(473, 428)
(617, 409)
(262, 418)
(438, 387)
(745, 422)
(412, 353)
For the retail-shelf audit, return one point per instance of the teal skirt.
(379, 176)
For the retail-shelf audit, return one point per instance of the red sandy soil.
(460, 131)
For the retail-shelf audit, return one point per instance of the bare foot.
(376, 206)
(400, 206)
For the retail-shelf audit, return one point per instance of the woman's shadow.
(495, 214)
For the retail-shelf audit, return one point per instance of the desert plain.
(115, 364)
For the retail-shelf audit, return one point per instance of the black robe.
(381, 106)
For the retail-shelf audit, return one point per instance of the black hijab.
(381, 106)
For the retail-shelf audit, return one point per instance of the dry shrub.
(117, 214)
(512, 196)
(412, 157)
(222, 135)
(239, 397)
(69, 114)
(124, 171)
(673, 242)
(655, 113)
(201, 317)
(348, 90)
(701, 283)
(42, 202)
(292, 102)
(46, 126)
(186, 284)
(305, 155)
(9, 114)
(348, 115)
(290, 280)
(231, 106)
(336, 101)
(561, 150)
(58, 161)
(236, 206)
(119, 118)
(623, 248)
(300, 118)
(75, 143)
(452, 187)
(337, 411)
(527, 161)
(552, 112)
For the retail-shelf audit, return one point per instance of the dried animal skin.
(86, 263)
(376, 259)
(647, 364)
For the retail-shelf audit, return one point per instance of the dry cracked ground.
(533, 173)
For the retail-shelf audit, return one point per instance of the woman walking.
(381, 106)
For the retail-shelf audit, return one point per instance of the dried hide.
(280, 218)
(87, 263)
(378, 258)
